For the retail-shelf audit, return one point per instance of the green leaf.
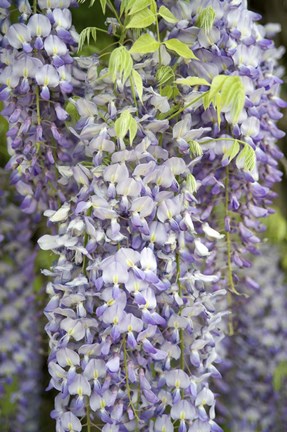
(205, 19)
(103, 4)
(165, 13)
(192, 81)
(139, 5)
(120, 64)
(226, 92)
(195, 148)
(167, 91)
(125, 6)
(138, 83)
(279, 375)
(215, 88)
(71, 109)
(276, 227)
(191, 184)
(247, 157)
(164, 75)
(124, 124)
(180, 48)
(142, 19)
(232, 151)
(145, 44)
(153, 7)
(86, 35)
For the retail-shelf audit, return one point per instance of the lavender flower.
(251, 398)
(20, 359)
(36, 69)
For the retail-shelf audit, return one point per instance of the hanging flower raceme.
(239, 163)
(133, 326)
(255, 357)
(37, 78)
(20, 360)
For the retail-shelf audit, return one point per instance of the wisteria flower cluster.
(36, 77)
(20, 360)
(258, 352)
(153, 167)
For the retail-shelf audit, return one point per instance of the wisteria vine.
(153, 164)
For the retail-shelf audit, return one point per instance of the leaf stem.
(133, 93)
(113, 9)
(181, 335)
(186, 106)
(128, 384)
(89, 424)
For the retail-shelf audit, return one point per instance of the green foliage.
(137, 6)
(191, 183)
(142, 19)
(86, 35)
(124, 124)
(192, 81)
(195, 148)
(164, 75)
(145, 44)
(226, 92)
(7, 406)
(248, 157)
(180, 48)
(276, 227)
(120, 64)
(205, 19)
(103, 5)
(3, 148)
(232, 151)
(138, 82)
(72, 111)
(280, 375)
(165, 13)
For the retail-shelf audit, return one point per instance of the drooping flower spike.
(20, 359)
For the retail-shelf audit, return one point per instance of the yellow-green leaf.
(180, 48)
(124, 124)
(164, 75)
(165, 13)
(247, 158)
(120, 64)
(138, 83)
(139, 5)
(86, 35)
(103, 4)
(232, 151)
(145, 44)
(191, 184)
(205, 19)
(142, 19)
(192, 81)
(280, 375)
(195, 148)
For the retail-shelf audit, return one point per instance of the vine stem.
(229, 263)
(38, 106)
(89, 425)
(133, 93)
(113, 9)
(186, 106)
(128, 385)
(181, 335)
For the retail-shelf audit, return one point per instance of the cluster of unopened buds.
(154, 170)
